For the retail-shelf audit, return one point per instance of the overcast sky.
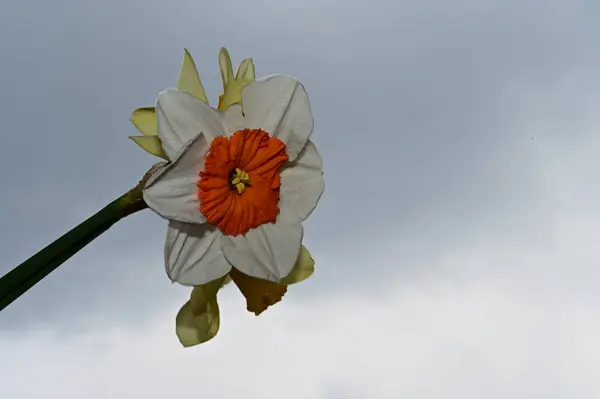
(456, 244)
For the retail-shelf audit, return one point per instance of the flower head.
(240, 181)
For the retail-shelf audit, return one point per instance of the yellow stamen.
(240, 180)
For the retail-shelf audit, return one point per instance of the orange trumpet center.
(239, 186)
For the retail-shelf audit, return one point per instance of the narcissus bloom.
(239, 185)
(241, 180)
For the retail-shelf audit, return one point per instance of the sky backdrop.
(456, 243)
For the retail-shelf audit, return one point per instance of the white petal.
(193, 254)
(280, 106)
(234, 119)
(172, 191)
(302, 183)
(269, 251)
(181, 117)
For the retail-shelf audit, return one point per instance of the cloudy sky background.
(456, 242)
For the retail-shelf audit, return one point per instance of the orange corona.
(239, 186)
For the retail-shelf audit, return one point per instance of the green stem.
(16, 282)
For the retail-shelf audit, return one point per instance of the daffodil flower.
(213, 224)
(236, 193)
(272, 186)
